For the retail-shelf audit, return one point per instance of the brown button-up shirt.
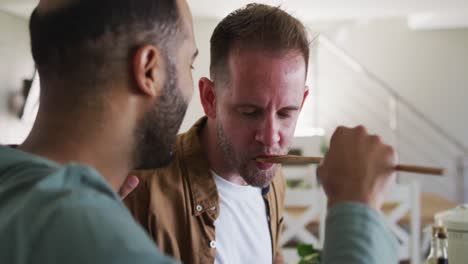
(178, 204)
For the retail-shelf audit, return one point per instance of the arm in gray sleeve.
(357, 234)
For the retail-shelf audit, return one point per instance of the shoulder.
(170, 176)
(160, 190)
(42, 185)
(175, 173)
(97, 230)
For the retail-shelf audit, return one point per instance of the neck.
(216, 158)
(64, 138)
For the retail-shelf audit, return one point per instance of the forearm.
(356, 234)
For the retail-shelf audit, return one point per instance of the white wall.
(16, 64)
(428, 68)
(203, 28)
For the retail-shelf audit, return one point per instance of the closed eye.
(249, 111)
(287, 113)
(284, 115)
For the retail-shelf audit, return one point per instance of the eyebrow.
(287, 108)
(247, 106)
(290, 108)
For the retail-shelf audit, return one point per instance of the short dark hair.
(87, 40)
(257, 26)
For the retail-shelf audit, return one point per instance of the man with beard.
(115, 83)
(214, 203)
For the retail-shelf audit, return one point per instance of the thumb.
(131, 182)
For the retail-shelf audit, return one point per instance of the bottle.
(438, 253)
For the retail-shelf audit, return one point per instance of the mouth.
(263, 165)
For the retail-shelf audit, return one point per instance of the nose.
(268, 133)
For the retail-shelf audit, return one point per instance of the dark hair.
(257, 26)
(88, 40)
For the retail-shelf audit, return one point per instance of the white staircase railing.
(346, 93)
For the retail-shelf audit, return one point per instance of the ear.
(148, 69)
(306, 93)
(207, 96)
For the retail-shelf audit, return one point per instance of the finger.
(390, 154)
(387, 183)
(339, 131)
(131, 182)
(388, 157)
(320, 174)
(361, 131)
(375, 140)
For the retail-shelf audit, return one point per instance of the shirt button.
(213, 244)
(199, 208)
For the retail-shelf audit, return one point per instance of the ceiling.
(421, 14)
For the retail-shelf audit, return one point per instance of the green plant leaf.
(308, 254)
(305, 249)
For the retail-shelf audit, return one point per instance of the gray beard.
(252, 176)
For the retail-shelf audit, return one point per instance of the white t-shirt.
(242, 229)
